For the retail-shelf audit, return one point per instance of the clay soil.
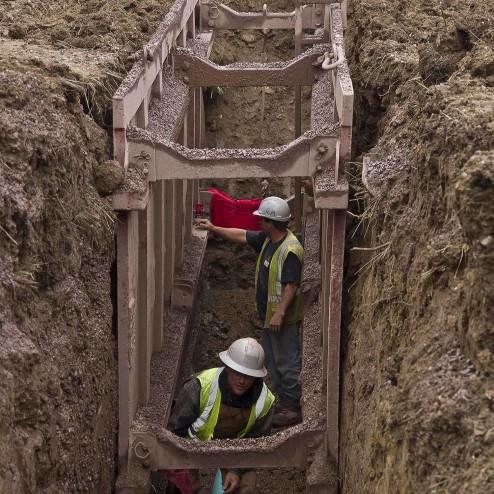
(417, 396)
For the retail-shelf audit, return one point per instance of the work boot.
(278, 406)
(287, 416)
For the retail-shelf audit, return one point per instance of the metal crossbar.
(159, 139)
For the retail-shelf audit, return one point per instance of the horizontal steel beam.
(125, 200)
(219, 16)
(140, 79)
(200, 72)
(165, 450)
(330, 196)
(300, 158)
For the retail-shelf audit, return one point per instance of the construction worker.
(278, 275)
(225, 403)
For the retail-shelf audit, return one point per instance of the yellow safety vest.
(210, 401)
(275, 287)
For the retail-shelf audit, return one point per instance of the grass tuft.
(24, 278)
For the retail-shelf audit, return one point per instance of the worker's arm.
(237, 235)
(186, 408)
(287, 297)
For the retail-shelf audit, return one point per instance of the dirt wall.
(58, 380)
(59, 66)
(417, 393)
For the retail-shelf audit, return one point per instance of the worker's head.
(244, 362)
(274, 211)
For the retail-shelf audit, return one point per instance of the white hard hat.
(274, 208)
(245, 356)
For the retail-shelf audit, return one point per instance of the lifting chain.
(142, 156)
(322, 149)
(213, 11)
(326, 59)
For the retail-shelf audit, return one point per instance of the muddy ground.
(417, 358)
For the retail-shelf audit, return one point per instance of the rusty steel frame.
(168, 451)
(299, 158)
(332, 253)
(219, 16)
(155, 226)
(199, 72)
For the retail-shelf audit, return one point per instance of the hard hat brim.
(257, 213)
(243, 370)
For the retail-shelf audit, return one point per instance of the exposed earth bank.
(418, 392)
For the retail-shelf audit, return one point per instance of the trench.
(225, 309)
(417, 346)
(417, 395)
(270, 140)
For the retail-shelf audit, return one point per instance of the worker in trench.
(224, 403)
(278, 275)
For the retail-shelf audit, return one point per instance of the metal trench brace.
(295, 447)
(172, 168)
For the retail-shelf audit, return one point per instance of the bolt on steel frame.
(159, 138)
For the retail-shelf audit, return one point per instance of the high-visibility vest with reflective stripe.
(275, 287)
(210, 401)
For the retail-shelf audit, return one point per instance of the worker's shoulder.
(192, 384)
(255, 238)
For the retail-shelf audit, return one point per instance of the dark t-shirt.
(292, 268)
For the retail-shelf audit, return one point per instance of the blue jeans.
(282, 360)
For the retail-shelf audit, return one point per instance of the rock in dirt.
(108, 176)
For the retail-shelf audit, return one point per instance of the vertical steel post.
(327, 22)
(127, 247)
(142, 115)
(124, 318)
(159, 271)
(178, 189)
(326, 242)
(179, 222)
(145, 301)
(190, 142)
(170, 225)
(337, 227)
(298, 119)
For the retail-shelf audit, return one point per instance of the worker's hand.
(204, 224)
(276, 322)
(230, 482)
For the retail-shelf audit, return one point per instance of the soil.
(417, 396)
(417, 406)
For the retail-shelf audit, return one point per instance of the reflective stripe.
(202, 419)
(281, 255)
(261, 401)
(275, 287)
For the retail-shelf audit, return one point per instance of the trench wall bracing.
(159, 138)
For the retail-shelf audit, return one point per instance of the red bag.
(234, 213)
(179, 478)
